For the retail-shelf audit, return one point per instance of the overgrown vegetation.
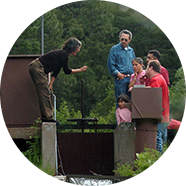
(151, 164)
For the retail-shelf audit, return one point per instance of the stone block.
(124, 144)
(48, 140)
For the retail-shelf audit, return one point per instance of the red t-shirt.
(165, 74)
(159, 81)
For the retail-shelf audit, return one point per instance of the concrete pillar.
(124, 144)
(48, 141)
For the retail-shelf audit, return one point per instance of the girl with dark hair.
(52, 61)
(123, 114)
(138, 67)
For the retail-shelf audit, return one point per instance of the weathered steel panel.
(146, 134)
(146, 103)
(19, 100)
(82, 153)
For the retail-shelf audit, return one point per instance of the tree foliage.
(97, 24)
(177, 95)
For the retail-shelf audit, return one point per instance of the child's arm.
(118, 116)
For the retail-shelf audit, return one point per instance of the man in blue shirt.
(120, 63)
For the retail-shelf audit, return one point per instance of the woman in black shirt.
(52, 62)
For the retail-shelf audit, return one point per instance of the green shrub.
(33, 153)
(125, 170)
(65, 113)
(169, 166)
(146, 159)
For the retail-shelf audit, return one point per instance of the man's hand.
(120, 76)
(142, 79)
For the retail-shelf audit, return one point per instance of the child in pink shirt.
(123, 114)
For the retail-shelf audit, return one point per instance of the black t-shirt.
(53, 62)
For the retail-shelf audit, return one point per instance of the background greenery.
(97, 24)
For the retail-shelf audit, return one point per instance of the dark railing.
(83, 123)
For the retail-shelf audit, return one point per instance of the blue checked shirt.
(120, 60)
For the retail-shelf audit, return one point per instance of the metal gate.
(85, 153)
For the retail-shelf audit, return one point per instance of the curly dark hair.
(71, 45)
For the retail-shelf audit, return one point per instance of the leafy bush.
(146, 159)
(33, 153)
(177, 95)
(65, 113)
(104, 110)
(125, 170)
(170, 166)
(146, 165)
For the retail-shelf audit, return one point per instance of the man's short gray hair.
(126, 32)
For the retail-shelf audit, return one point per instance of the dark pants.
(45, 96)
(122, 87)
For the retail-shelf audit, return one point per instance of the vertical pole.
(43, 41)
(42, 34)
(82, 98)
(54, 106)
(56, 134)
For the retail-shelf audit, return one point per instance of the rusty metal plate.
(19, 100)
(82, 153)
(146, 103)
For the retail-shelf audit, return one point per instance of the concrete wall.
(124, 144)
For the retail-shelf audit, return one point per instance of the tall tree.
(21, 27)
(95, 33)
